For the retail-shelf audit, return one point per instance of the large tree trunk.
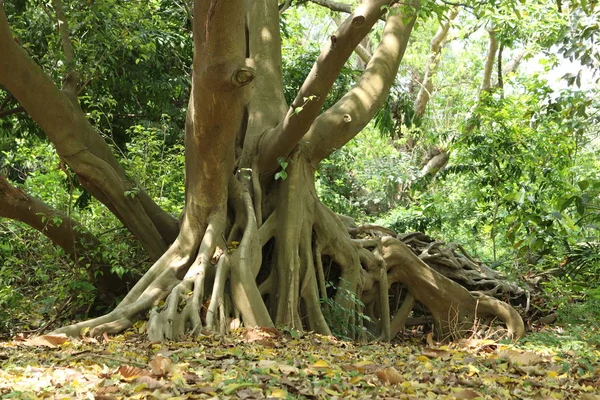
(259, 249)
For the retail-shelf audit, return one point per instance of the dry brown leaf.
(390, 376)
(130, 372)
(436, 353)
(47, 340)
(466, 394)
(486, 345)
(270, 331)
(160, 365)
(206, 389)
(430, 340)
(530, 370)
(149, 381)
(107, 390)
(251, 335)
(524, 358)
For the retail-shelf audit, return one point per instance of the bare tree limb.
(334, 5)
(436, 47)
(5, 113)
(313, 93)
(283, 8)
(515, 62)
(361, 51)
(500, 83)
(72, 79)
(78, 143)
(489, 63)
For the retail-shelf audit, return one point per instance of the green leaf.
(583, 184)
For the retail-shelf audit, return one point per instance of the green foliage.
(283, 164)
(337, 315)
(36, 280)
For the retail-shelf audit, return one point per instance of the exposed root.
(453, 307)
(215, 274)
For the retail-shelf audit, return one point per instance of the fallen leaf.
(466, 394)
(46, 340)
(520, 358)
(149, 382)
(436, 353)
(130, 372)
(320, 364)
(160, 365)
(390, 376)
(430, 340)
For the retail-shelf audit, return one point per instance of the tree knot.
(358, 21)
(243, 76)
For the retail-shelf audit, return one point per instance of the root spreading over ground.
(303, 265)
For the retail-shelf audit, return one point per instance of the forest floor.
(264, 363)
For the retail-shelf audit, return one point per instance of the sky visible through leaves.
(265, 363)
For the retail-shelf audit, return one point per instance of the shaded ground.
(256, 364)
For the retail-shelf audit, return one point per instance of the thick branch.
(267, 107)
(313, 93)
(489, 63)
(334, 5)
(219, 73)
(351, 113)
(78, 143)
(361, 51)
(62, 230)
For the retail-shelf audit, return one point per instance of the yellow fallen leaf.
(552, 374)
(278, 394)
(320, 364)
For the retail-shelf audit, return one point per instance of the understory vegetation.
(491, 167)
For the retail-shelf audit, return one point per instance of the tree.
(254, 240)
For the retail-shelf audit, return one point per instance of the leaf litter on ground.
(258, 363)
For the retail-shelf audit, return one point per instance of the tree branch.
(78, 143)
(216, 105)
(313, 93)
(489, 63)
(334, 5)
(360, 50)
(72, 79)
(434, 54)
(62, 230)
(353, 111)
(5, 113)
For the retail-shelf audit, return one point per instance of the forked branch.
(312, 95)
(345, 119)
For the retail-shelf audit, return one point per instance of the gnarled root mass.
(308, 268)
